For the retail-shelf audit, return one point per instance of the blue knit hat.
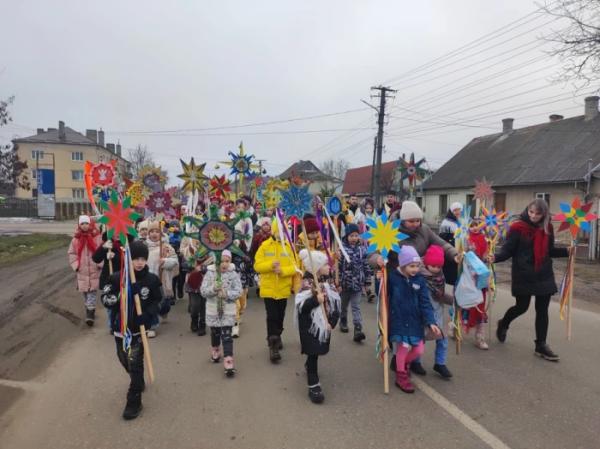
(407, 256)
(351, 227)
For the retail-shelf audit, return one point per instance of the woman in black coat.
(530, 243)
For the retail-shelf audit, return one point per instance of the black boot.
(194, 323)
(358, 333)
(501, 331)
(274, 342)
(417, 368)
(443, 371)
(133, 406)
(201, 329)
(344, 325)
(315, 394)
(90, 315)
(543, 350)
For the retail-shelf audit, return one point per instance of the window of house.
(543, 196)
(443, 205)
(77, 175)
(78, 193)
(500, 201)
(34, 173)
(77, 155)
(472, 203)
(37, 154)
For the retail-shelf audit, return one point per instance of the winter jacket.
(147, 285)
(354, 275)
(526, 280)
(221, 311)
(100, 256)
(170, 268)
(409, 305)
(389, 209)
(448, 227)
(88, 271)
(308, 315)
(421, 239)
(275, 286)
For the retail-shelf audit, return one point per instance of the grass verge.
(19, 248)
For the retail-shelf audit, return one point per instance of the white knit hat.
(410, 211)
(264, 220)
(84, 219)
(319, 260)
(456, 205)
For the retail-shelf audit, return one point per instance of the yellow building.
(65, 151)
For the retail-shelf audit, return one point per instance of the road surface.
(502, 398)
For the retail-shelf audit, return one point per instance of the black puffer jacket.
(526, 281)
(147, 286)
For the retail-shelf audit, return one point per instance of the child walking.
(86, 240)
(197, 304)
(410, 312)
(476, 317)
(313, 324)
(221, 290)
(432, 271)
(147, 285)
(355, 276)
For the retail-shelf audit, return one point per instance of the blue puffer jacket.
(409, 305)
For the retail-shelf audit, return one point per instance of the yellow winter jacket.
(276, 286)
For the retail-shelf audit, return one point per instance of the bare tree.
(13, 171)
(139, 158)
(578, 41)
(335, 167)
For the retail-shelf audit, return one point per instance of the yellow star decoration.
(193, 176)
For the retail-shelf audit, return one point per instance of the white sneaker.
(235, 332)
(151, 333)
(481, 343)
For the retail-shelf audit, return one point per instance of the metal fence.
(18, 207)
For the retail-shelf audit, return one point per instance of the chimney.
(555, 117)
(61, 131)
(119, 149)
(591, 107)
(92, 134)
(101, 137)
(40, 130)
(507, 125)
(110, 147)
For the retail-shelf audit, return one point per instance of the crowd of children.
(324, 282)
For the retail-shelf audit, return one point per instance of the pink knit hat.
(434, 256)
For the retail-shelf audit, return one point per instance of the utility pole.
(383, 95)
(373, 169)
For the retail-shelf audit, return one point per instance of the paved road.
(501, 398)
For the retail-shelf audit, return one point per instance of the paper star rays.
(296, 201)
(119, 217)
(193, 176)
(575, 217)
(383, 235)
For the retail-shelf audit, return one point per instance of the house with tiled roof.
(64, 151)
(550, 160)
(308, 171)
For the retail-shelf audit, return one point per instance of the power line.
(254, 133)
(274, 122)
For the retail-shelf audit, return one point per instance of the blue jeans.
(441, 351)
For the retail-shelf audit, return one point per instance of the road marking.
(24, 385)
(480, 431)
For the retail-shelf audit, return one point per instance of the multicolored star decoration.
(136, 192)
(383, 235)
(220, 187)
(241, 164)
(483, 191)
(152, 178)
(193, 176)
(103, 174)
(461, 234)
(412, 171)
(119, 217)
(296, 201)
(214, 234)
(159, 203)
(575, 217)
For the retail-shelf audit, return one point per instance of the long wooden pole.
(570, 297)
(138, 310)
(383, 312)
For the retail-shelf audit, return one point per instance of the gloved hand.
(143, 319)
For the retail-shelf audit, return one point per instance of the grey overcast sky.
(129, 66)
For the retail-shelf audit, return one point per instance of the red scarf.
(477, 240)
(86, 239)
(539, 237)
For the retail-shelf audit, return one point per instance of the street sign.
(46, 193)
